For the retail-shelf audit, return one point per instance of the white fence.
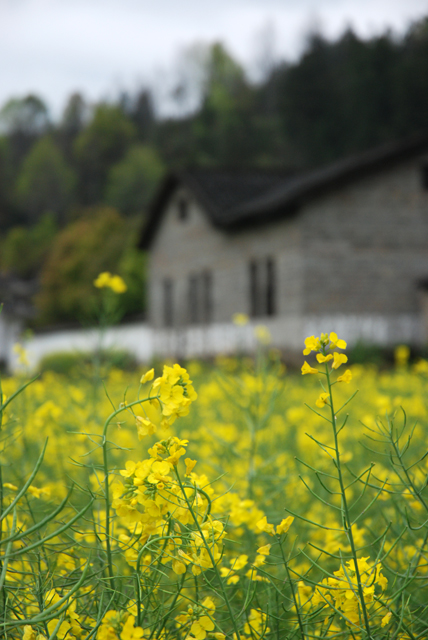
(145, 342)
(136, 338)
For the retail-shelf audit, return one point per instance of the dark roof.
(220, 192)
(234, 199)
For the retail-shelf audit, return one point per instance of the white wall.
(10, 330)
(135, 338)
(287, 333)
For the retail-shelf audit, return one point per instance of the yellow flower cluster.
(175, 392)
(66, 626)
(113, 282)
(195, 553)
(153, 494)
(323, 344)
(341, 593)
(256, 628)
(119, 625)
(198, 621)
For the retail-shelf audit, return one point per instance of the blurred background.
(99, 99)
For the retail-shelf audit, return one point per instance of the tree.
(411, 82)
(24, 249)
(142, 114)
(101, 144)
(23, 120)
(46, 182)
(101, 240)
(222, 128)
(28, 115)
(73, 121)
(7, 210)
(133, 180)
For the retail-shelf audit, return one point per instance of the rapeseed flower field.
(235, 502)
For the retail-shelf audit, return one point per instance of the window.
(207, 297)
(200, 298)
(168, 303)
(262, 289)
(270, 287)
(183, 209)
(254, 290)
(193, 302)
(424, 176)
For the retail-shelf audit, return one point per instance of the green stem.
(106, 483)
(293, 593)
(207, 547)
(346, 518)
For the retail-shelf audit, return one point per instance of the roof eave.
(170, 183)
(337, 174)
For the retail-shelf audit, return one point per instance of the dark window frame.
(168, 302)
(271, 288)
(207, 296)
(200, 302)
(263, 288)
(193, 299)
(254, 289)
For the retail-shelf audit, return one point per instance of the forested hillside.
(92, 174)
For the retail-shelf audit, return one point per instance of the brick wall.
(366, 245)
(182, 248)
(356, 252)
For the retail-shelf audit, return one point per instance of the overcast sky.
(100, 47)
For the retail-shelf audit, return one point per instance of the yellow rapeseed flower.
(306, 368)
(265, 550)
(190, 464)
(103, 280)
(284, 525)
(117, 284)
(312, 344)
(262, 334)
(339, 359)
(22, 354)
(263, 525)
(200, 627)
(322, 400)
(113, 282)
(145, 427)
(321, 358)
(335, 342)
(175, 391)
(178, 567)
(401, 355)
(240, 319)
(149, 375)
(346, 377)
(386, 619)
(129, 632)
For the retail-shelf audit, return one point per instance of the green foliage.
(353, 94)
(280, 524)
(364, 353)
(133, 180)
(6, 181)
(133, 268)
(339, 98)
(68, 362)
(72, 122)
(96, 242)
(28, 115)
(24, 249)
(23, 120)
(100, 145)
(46, 182)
